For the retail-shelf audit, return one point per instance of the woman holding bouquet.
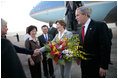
(62, 33)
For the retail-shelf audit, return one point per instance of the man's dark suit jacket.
(96, 43)
(10, 64)
(20, 49)
(23, 50)
(53, 31)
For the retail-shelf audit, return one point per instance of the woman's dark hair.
(30, 28)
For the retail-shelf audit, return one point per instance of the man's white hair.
(3, 22)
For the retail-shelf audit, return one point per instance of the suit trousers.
(65, 70)
(47, 66)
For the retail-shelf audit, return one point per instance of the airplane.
(52, 10)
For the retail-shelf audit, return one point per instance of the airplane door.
(79, 3)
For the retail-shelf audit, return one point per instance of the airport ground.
(75, 69)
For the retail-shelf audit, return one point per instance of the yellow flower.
(80, 47)
(68, 44)
(66, 57)
(53, 43)
(65, 39)
(57, 52)
(54, 48)
(74, 54)
(76, 47)
(69, 49)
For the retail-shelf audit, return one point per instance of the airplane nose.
(52, 10)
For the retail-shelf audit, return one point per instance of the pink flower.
(57, 46)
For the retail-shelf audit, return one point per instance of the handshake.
(36, 52)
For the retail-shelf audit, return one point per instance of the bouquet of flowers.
(66, 50)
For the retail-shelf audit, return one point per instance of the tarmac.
(75, 69)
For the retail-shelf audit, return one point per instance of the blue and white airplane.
(52, 10)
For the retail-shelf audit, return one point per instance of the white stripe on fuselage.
(56, 9)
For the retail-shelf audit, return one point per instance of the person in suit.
(4, 30)
(52, 30)
(95, 41)
(32, 43)
(62, 33)
(70, 13)
(10, 64)
(47, 64)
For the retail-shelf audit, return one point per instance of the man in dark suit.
(53, 31)
(10, 64)
(70, 13)
(47, 64)
(4, 30)
(95, 41)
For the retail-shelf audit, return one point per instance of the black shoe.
(52, 76)
(46, 76)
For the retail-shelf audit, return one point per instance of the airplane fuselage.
(52, 10)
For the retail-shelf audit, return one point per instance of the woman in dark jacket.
(32, 43)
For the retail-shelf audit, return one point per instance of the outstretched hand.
(36, 52)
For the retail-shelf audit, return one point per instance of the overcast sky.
(16, 13)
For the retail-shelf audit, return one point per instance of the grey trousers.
(66, 70)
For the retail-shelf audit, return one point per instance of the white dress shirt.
(60, 36)
(86, 26)
(45, 35)
(50, 28)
